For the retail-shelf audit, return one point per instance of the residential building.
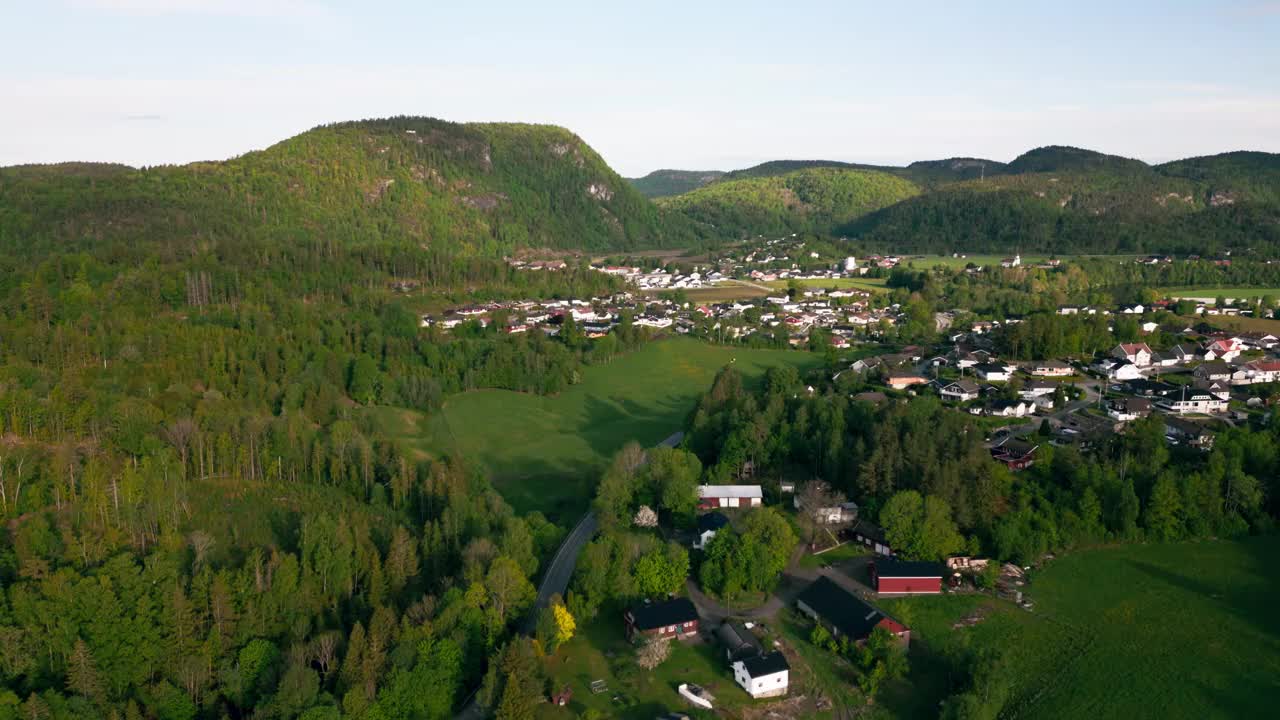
(902, 382)
(1137, 353)
(992, 372)
(1192, 400)
(870, 535)
(763, 676)
(675, 618)
(1050, 368)
(1127, 409)
(708, 525)
(960, 391)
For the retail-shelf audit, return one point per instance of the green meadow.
(1178, 630)
(545, 453)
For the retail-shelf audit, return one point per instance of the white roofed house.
(992, 371)
(729, 496)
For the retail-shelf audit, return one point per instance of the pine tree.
(82, 673)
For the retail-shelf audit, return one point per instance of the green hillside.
(475, 188)
(812, 200)
(1231, 178)
(1068, 200)
(664, 183)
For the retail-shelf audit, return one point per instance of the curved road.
(555, 581)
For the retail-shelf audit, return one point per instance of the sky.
(693, 85)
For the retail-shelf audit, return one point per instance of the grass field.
(544, 453)
(928, 261)
(1231, 293)
(1180, 630)
(1239, 324)
(724, 292)
(869, 284)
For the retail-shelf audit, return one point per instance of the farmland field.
(544, 453)
(921, 262)
(1237, 293)
(1170, 630)
(869, 284)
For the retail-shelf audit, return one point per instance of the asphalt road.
(555, 581)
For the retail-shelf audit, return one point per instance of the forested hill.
(1050, 199)
(454, 188)
(811, 200)
(664, 183)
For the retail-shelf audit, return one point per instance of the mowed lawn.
(1180, 630)
(546, 453)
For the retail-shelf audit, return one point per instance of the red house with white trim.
(898, 577)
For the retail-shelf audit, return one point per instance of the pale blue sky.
(655, 84)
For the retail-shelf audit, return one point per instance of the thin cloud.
(226, 8)
(144, 118)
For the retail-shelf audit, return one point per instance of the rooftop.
(676, 611)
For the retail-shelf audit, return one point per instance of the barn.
(898, 577)
(729, 496)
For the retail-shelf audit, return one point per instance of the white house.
(763, 676)
(1037, 388)
(708, 525)
(1150, 327)
(1226, 350)
(1119, 370)
(1193, 401)
(1137, 353)
(1011, 408)
(1050, 368)
(960, 391)
(992, 372)
(1263, 371)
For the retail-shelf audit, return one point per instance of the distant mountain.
(818, 199)
(1061, 158)
(934, 172)
(1232, 177)
(1068, 200)
(455, 188)
(782, 167)
(663, 183)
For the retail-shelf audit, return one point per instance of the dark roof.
(901, 568)
(711, 521)
(847, 612)
(738, 640)
(869, 530)
(669, 612)
(990, 367)
(767, 664)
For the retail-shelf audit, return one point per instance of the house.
(1259, 340)
(1178, 431)
(960, 391)
(708, 525)
(1225, 349)
(898, 577)
(1192, 400)
(992, 372)
(902, 382)
(1037, 388)
(1216, 370)
(1185, 353)
(739, 642)
(1010, 408)
(869, 535)
(1050, 368)
(1132, 309)
(1149, 327)
(729, 496)
(1262, 371)
(1127, 409)
(675, 618)
(1137, 353)
(1118, 370)
(1015, 454)
(763, 676)
(843, 613)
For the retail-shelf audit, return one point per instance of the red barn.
(675, 618)
(896, 577)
